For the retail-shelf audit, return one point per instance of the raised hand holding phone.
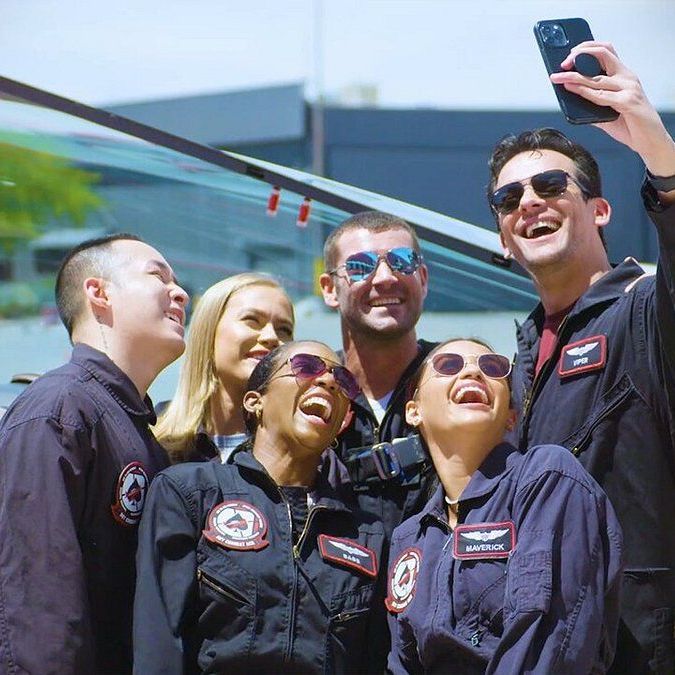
(638, 124)
(557, 38)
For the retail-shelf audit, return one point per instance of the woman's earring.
(334, 444)
(258, 414)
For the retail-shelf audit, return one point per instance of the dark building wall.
(438, 159)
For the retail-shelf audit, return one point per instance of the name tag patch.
(237, 525)
(484, 540)
(348, 553)
(582, 356)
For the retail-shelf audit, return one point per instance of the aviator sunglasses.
(309, 366)
(546, 184)
(491, 365)
(401, 260)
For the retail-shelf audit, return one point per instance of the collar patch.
(403, 580)
(236, 525)
(582, 356)
(132, 487)
(348, 553)
(484, 540)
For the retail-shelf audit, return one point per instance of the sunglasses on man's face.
(491, 365)
(359, 266)
(547, 184)
(309, 366)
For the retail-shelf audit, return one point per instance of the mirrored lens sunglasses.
(401, 260)
(547, 184)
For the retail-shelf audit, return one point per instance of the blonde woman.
(235, 324)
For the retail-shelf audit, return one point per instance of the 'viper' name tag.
(348, 553)
(582, 356)
(484, 540)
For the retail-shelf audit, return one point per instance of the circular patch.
(402, 580)
(132, 487)
(237, 525)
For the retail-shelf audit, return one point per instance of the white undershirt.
(379, 405)
(227, 443)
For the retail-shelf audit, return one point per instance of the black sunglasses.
(309, 366)
(401, 260)
(546, 184)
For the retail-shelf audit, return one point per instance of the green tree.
(36, 187)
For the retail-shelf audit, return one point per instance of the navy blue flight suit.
(393, 498)
(528, 582)
(608, 395)
(76, 458)
(223, 587)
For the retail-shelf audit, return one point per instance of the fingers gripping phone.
(555, 38)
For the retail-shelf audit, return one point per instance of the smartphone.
(555, 38)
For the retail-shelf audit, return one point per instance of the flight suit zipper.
(576, 450)
(295, 554)
(217, 588)
(538, 379)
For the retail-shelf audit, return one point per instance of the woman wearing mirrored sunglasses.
(265, 564)
(514, 566)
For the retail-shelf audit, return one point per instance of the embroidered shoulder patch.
(237, 525)
(484, 540)
(348, 553)
(132, 487)
(582, 356)
(403, 580)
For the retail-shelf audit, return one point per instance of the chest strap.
(399, 461)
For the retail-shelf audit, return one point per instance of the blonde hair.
(177, 426)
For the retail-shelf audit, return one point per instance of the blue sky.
(418, 53)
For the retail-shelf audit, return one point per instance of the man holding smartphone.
(595, 369)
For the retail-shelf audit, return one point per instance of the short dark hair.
(89, 258)
(375, 221)
(260, 377)
(547, 138)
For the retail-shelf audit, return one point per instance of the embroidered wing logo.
(583, 349)
(490, 535)
(350, 549)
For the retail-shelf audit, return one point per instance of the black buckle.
(386, 461)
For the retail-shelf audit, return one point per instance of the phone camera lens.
(553, 34)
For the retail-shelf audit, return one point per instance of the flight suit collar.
(114, 380)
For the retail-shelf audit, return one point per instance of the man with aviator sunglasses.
(376, 278)
(595, 369)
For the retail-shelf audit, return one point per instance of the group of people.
(402, 505)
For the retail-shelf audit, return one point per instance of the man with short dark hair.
(595, 369)
(76, 458)
(376, 278)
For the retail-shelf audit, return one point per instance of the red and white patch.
(484, 540)
(403, 580)
(582, 356)
(237, 525)
(130, 493)
(348, 553)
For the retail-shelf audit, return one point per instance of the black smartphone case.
(577, 110)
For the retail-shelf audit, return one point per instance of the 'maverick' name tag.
(582, 356)
(348, 553)
(484, 540)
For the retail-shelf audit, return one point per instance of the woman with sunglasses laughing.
(265, 564)
(514, 564)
